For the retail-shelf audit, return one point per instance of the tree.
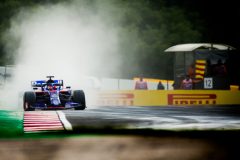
(145, 29)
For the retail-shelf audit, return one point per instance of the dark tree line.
(148, 27)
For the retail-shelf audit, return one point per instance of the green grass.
(11, 124)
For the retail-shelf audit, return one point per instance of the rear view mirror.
(35, 88)
(68, 87)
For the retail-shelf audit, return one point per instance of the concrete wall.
(94, 82)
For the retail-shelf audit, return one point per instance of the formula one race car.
(50, 94)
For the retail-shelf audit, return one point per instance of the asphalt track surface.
(157, 118)
(135, 118)
(205, 133)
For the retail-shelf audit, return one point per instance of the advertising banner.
(168, 98)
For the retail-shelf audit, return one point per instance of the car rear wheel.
(79, 97)
(29, 98)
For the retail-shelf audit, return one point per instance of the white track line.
(64, 121)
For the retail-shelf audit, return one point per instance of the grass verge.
(11, 124)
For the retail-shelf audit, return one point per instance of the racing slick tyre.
(29, 98)
(79, 97)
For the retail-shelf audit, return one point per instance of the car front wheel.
(79, 97)
(29, 98)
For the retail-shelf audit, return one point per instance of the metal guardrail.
(5, 73)
(93, 82)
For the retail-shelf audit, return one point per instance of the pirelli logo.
(116, 99)
(191, 99)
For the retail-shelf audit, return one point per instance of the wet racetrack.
(180, 118)
(202, 133)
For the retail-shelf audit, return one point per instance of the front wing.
(44, 106)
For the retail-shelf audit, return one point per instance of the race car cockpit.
(50, 79)
(48, 85)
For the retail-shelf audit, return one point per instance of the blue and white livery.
(51, 94)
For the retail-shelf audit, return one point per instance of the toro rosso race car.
(50, 94)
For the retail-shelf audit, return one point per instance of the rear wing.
(41, 83)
